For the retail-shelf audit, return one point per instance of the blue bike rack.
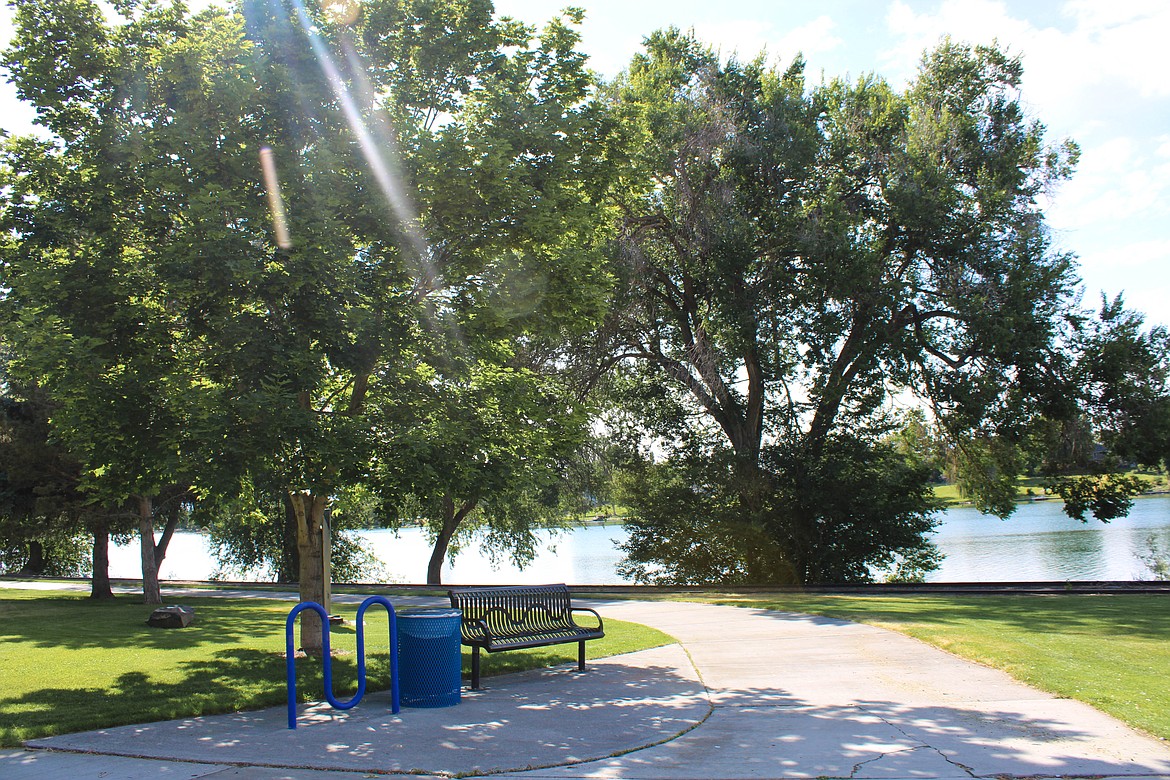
(290, 660)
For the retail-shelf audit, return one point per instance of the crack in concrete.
(857, 767)
(969, 770)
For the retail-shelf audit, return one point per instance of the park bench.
(516, 617)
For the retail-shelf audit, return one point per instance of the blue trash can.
(429, 657)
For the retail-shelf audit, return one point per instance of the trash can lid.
(430, 612)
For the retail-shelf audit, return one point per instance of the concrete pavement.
(744, 694)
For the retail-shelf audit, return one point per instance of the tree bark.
(37, 563)
(151, 591)
(99, 587)
(451, 521)
(312, 548)
(288, 568)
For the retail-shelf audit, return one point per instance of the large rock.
(173, 616)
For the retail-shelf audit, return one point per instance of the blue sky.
(1095, 71)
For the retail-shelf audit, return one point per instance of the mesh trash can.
(429, 657)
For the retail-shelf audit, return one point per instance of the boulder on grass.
(171, 617)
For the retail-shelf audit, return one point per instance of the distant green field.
(1032, 487)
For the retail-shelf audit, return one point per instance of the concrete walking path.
(744, 694)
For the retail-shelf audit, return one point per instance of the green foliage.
(481, 446)
(1108, 496)
(986, 469)
(253, 537)
(686, 527)
(45, 519)
(919, 443)
(912, 565)
(853, 508)
(1156, 559)
(1124, 370)
(47, 556)
(843, 516)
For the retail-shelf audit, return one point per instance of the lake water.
(1038, 543)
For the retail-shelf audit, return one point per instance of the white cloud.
(977, 21)
(1126, 258)
(816, 37)
(1111, 46)
(1135, 270)
(1117, 180)
(746, 38)
(1163, 149)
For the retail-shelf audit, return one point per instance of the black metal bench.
(516, 617)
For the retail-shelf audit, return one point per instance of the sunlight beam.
(380, 150)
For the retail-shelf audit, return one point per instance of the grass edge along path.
(1108, 651)
(70, 664)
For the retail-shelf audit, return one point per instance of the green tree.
(476, 430)
(481, 445)
(83, 309)
(48, 524)
(420, 159)
(1121, 373)
(792, 256)
(42, 529)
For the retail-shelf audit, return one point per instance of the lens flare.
(343, 12)
(376, 143)
(275, 201)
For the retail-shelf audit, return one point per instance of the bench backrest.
(511, 610)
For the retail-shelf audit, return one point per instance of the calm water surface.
(1038, 543)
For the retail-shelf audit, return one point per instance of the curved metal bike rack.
(290, 659)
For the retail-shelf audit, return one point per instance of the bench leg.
(475, 668)
(581, 656)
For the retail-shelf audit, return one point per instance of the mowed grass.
(70, 664)
(1109, 651)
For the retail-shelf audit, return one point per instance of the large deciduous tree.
(798, 255)
(427, 171)
(482, 445)
(86, 310)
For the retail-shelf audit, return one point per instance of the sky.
(1095, 71)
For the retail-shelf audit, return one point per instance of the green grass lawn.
(1110, 651)
(69, 664)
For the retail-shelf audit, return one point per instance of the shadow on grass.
(233, 680)
(79, 623)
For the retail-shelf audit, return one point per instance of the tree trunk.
(451, 521)
(100, 581)
(151, 591)
(37, 563)
(313, 546)
(288, 566)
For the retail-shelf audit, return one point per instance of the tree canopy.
(281, 253)
(247, 222)
(793, 258)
